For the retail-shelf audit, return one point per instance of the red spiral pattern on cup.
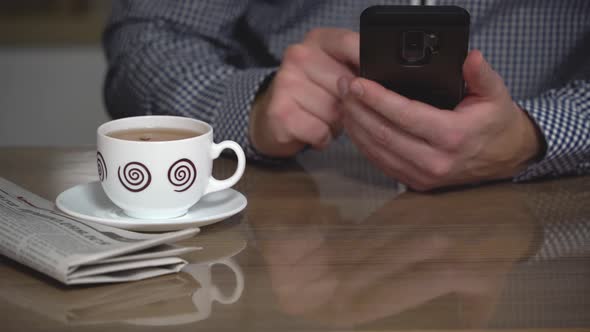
(102, 167)
(136, 177)
(182, 174)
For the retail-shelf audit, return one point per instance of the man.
(264, 73)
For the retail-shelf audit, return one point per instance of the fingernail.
(343, 86)
(357, 88)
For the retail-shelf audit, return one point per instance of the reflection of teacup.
(209, 292)
(204, 296)
(157, 167)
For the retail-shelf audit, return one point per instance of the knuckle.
(285, 80)
(333, 115)
(382, 135)
(455, 139)
(405, 118)
(296, 54)
(280, 113)
(440, 168)
(321, 138)
(282, 128)
(283, 138)
(349, 38)
(377, 159)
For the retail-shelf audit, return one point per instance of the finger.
(414, 150)
(307, 128)
(392, 165)
(414, 117)
(481, 79)
(340, 44)
(318, 67)
(317, 101)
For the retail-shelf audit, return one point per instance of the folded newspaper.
(73, 251)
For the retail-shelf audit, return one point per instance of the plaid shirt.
(207, 60)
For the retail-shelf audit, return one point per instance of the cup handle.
(217, 185)
(218, 295)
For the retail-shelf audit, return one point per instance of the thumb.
(480, 77)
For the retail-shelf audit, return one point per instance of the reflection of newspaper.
(80, 252)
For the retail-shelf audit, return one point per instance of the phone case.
(416, 51)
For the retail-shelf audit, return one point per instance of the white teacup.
(160, 179)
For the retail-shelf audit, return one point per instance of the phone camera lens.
(413, 50)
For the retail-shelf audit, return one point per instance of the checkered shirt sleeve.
(208, 58)
(179, 58)
(563, 116)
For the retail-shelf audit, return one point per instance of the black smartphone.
(416, 51)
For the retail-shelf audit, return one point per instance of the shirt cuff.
(566, 134)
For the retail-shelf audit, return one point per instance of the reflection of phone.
(416, 51)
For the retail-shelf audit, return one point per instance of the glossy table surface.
(328, 243)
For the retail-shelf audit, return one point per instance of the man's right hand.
(301, 104)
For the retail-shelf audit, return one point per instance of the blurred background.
(51, 71)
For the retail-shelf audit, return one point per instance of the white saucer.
(89, 202)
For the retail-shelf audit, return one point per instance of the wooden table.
(327, 244)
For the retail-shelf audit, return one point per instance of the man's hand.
(301, 105)
(486, 137)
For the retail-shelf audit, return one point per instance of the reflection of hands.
(300, 105)
(415, 249)
(486, 137)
